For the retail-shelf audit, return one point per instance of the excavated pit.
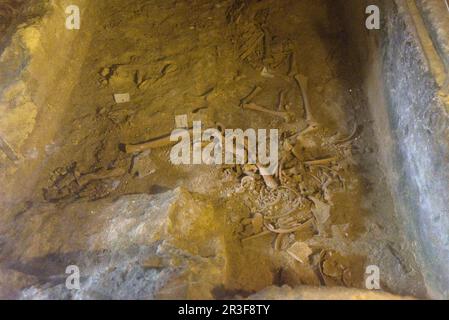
(140, 227)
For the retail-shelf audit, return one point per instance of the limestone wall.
(40, 61)
(405, 71)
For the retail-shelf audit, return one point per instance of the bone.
(8, 150)
(267, 43)
(303, 83)
(300, 251)
(88, 178)
(278, 242)
(282, 230)
(251, 95)
(283, 215)
(255, 107)
(352, 136)
(281, 100)
(152, 144)
(257, 222)
(310, 128)
(321, 161)
(263, 233)
(292, 70)
(269, 180)
(251, 47)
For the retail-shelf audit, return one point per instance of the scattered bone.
(98, 189)
(105, 72)
(279, 241)
(292, 65)
(120, 115)
(257, 222)
(250, 170)
(272, 203)
(332, 268)
(269, 180)
(139, 78)
(266, 74)
(312, 126)
(321, 210)
(8, 150)
(251, 95)
(263, 233)
(325, 186)
(152, 144)
(287, 221)
(267, 43)
(281, 100)
(143, 165)
(68, 183)
(297, 151)
(303, 83)
(351, 137)
(121, 97)
(245, 184)
(306, 128)
(282, 215)
(255, 107)
(282, 230)
(251, 47)
(300, 251)
(321, 161)
(103, 174)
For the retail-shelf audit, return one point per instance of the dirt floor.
(331, 214)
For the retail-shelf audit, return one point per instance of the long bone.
(303, 83)
(255, 107)
(8, 150)
(152, 144)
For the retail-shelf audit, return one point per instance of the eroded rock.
(115, 245)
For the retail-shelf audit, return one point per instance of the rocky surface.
(435, 14)
(406, 80)
(169, 245)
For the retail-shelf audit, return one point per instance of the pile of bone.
(67, 183)
(312, 167)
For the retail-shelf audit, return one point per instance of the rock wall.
(32, 94)
(165, 246)
(405, 70)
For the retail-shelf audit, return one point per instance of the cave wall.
(39, 67)
(405, 71)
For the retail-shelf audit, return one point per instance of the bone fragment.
(152, 144)
(255, 107)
